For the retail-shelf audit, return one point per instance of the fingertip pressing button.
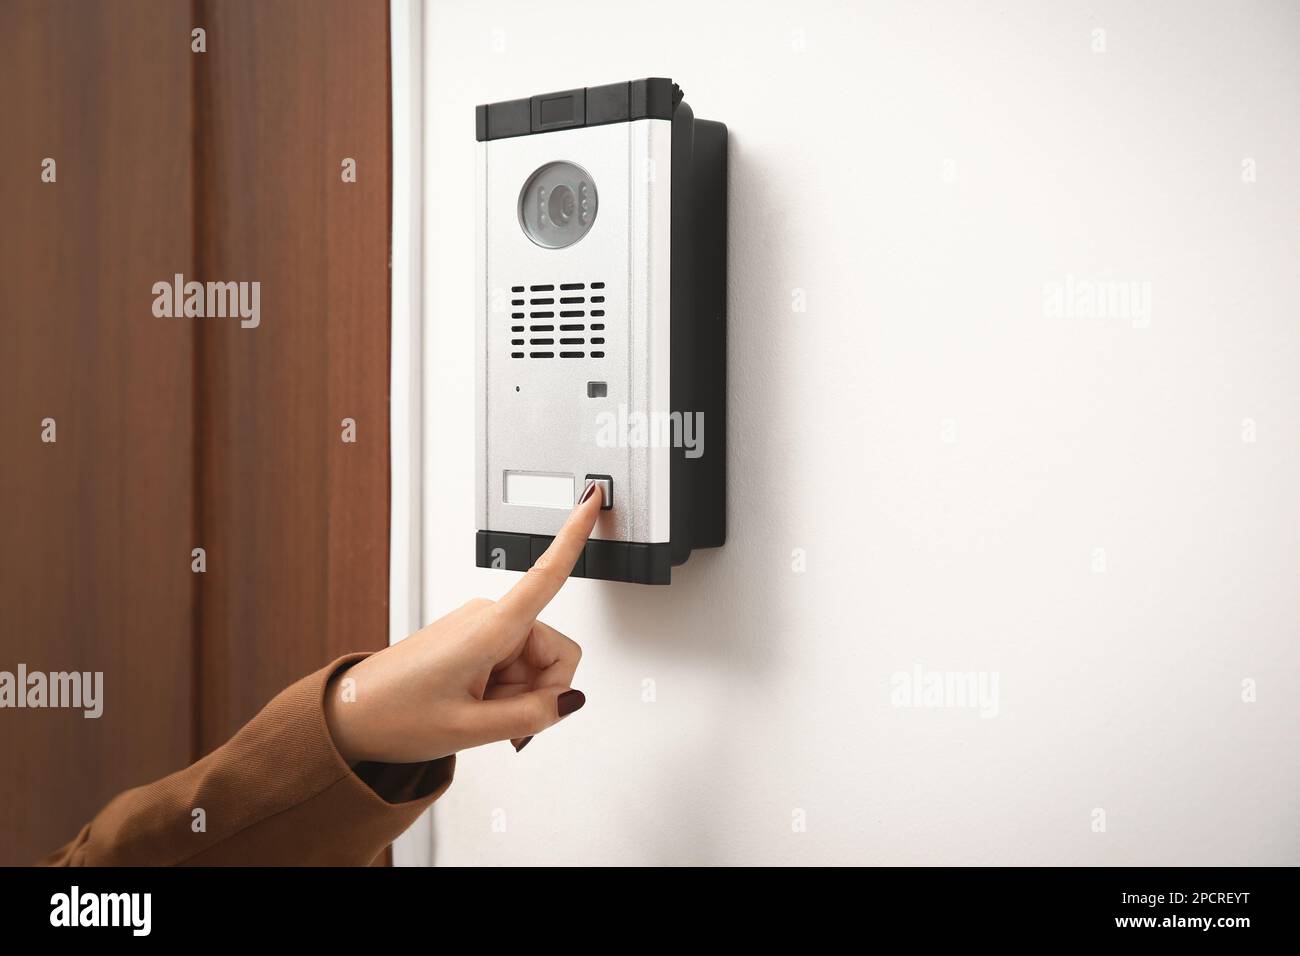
(606, 484)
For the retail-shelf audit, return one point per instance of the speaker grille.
(551, 320)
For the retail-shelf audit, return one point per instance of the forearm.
(277, 793)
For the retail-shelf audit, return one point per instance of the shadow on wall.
(729, 610)
(726, 594)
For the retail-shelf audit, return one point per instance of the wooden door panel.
(95, 528)
(295, 518)
(175, 433)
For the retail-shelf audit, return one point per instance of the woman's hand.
(487, 671)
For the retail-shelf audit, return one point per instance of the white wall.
(948, 455)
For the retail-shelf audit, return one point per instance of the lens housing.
(558, 205)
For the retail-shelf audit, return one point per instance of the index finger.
(523, 602)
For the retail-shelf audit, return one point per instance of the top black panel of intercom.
(650, 98)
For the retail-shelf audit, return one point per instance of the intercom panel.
(601, 327)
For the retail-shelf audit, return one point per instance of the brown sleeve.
(277, 793)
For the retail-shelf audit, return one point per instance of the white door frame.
(405, 607)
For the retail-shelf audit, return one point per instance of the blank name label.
(539, 489)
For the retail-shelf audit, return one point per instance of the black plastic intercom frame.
(650, 98)
(698, 322)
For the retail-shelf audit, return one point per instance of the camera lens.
(557, 205)
(560, 205)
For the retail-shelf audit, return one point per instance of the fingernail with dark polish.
(569, 701)
(585, 495)
(523, 743)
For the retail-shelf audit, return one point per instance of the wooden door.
(178, 433)
(294, 518)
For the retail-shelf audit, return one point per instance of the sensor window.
(557, 109)
(597, 390)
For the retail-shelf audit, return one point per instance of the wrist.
(340, 706)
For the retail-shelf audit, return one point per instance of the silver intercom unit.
(601, 276)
